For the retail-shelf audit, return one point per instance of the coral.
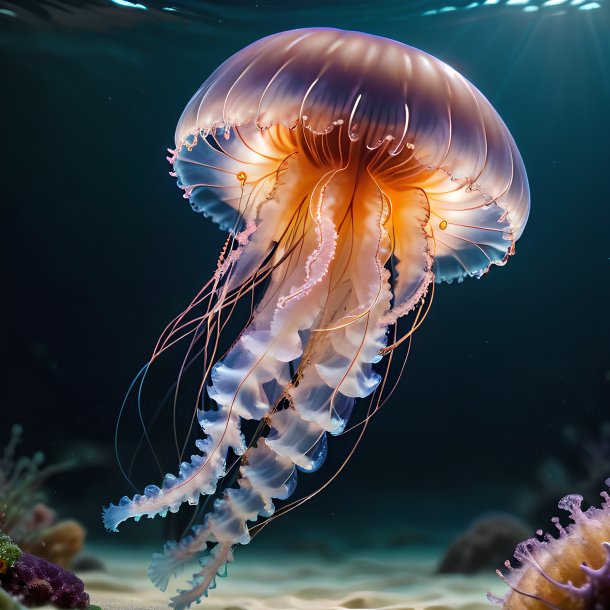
(36, 581)
(23, 514)
(59, 543)
(485, 545)
(20, 482)
(39, 518)
(571, 572)
(9, 553)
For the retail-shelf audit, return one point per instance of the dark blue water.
(508, 383)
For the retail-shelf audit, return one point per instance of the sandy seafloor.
(397, 580)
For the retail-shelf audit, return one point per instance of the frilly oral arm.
(197, 477)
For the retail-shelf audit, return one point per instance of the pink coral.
(571, 572)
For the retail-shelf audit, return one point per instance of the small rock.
(88, 563)
(484, 546)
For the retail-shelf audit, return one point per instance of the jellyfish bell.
(319, 93)
(351, 172)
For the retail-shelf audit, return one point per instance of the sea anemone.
(571, 572)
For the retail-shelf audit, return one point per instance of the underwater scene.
(305, 306)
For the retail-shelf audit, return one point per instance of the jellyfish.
(352, 174)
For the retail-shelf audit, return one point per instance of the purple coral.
(36, 581)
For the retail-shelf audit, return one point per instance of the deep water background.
(508, 383)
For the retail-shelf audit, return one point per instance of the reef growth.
(35, 581)
(9, 553)
(571, 572)
(24, 515)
